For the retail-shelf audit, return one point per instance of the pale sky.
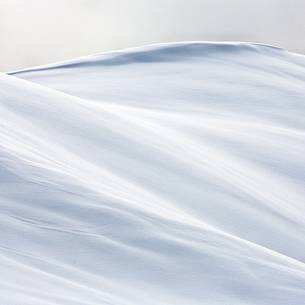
(34, 32)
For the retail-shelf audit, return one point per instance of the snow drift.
(170, 174)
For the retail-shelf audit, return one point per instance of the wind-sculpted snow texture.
(165, 175)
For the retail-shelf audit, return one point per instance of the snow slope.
(165, 175)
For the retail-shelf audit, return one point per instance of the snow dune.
(170, 174)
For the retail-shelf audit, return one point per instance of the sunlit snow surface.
(166, 175)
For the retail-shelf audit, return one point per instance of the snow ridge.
(168, 174)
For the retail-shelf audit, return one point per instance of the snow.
(170, 174)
